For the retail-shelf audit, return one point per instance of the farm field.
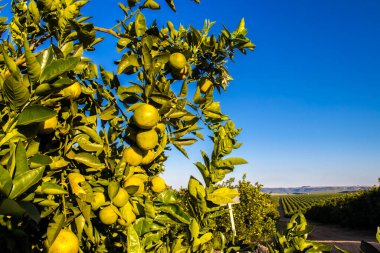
(292, 203)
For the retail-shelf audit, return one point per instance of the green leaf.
(167, 197)
(231, 161)
(113, 189)
(39, 160)
(5, 181)
(58, 67)
(55, 227)
(177, 212)
(196, 188)
(150, 4)
(90, 132)
(222, 196)
(127, 61)
(21, 160)
(52, 188)
(378, 235)
(11, 208)
(133, 241)
(87, 145)
(15, 91)
(205, 238)
(33, 66)
(25, 180)
(89, 160)
(194, 229)
(171, 4)
(140, 24)
(35, 114)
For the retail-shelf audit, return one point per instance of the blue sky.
(308, 97)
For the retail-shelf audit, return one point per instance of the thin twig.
(105, 30)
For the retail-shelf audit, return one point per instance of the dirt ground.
(344, 238)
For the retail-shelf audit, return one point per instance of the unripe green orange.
(146, 116)
(147, 139)
(132, 156)
(121, 198)
(177, 61)
(99, 200)
(108, 216)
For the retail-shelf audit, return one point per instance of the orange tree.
(81, 152)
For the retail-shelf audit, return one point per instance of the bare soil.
(345, 238)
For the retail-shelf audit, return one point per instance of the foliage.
(49, 180)
(348, 210)
(255, 216)
(294, 238)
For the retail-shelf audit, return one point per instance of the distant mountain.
(313, 189)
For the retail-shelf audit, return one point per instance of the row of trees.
(358, 210)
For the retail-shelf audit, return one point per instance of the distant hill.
(313, 189)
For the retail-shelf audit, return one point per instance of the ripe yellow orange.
(158, 184)
(121, 198)
(146, 116)
(74, 180)
(99, 200)
(127, 214)
(148, 157)
(132, 156)
(147, 139)
(134, 185)
(177, 61)
(108, 216)
(204, 85)
(48, 126)
(72, 92)
(65, 242)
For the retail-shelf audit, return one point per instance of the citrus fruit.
(65, 242)
(132, 156)
(158, 184)
(48, 126)
(99, 200)
(72, 92)
(204, 85)
(146, 116)
(161, 127)
(177, 61)
(148, 157)
(147, 139)
(121, 198)
(180, 75)
(75, 179)
(134, 185)
(107, 215)
(127, 214)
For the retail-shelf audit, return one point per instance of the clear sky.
(308, 97)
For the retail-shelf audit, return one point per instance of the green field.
(292, 203)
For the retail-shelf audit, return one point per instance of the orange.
(147, 140)
(134, 185)
(148, 157)
(48, 126)
(158, 184)
(121, 198)
(108, 216)
(177, 61)
(132, 156)
(65, 242)
(146, 116)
